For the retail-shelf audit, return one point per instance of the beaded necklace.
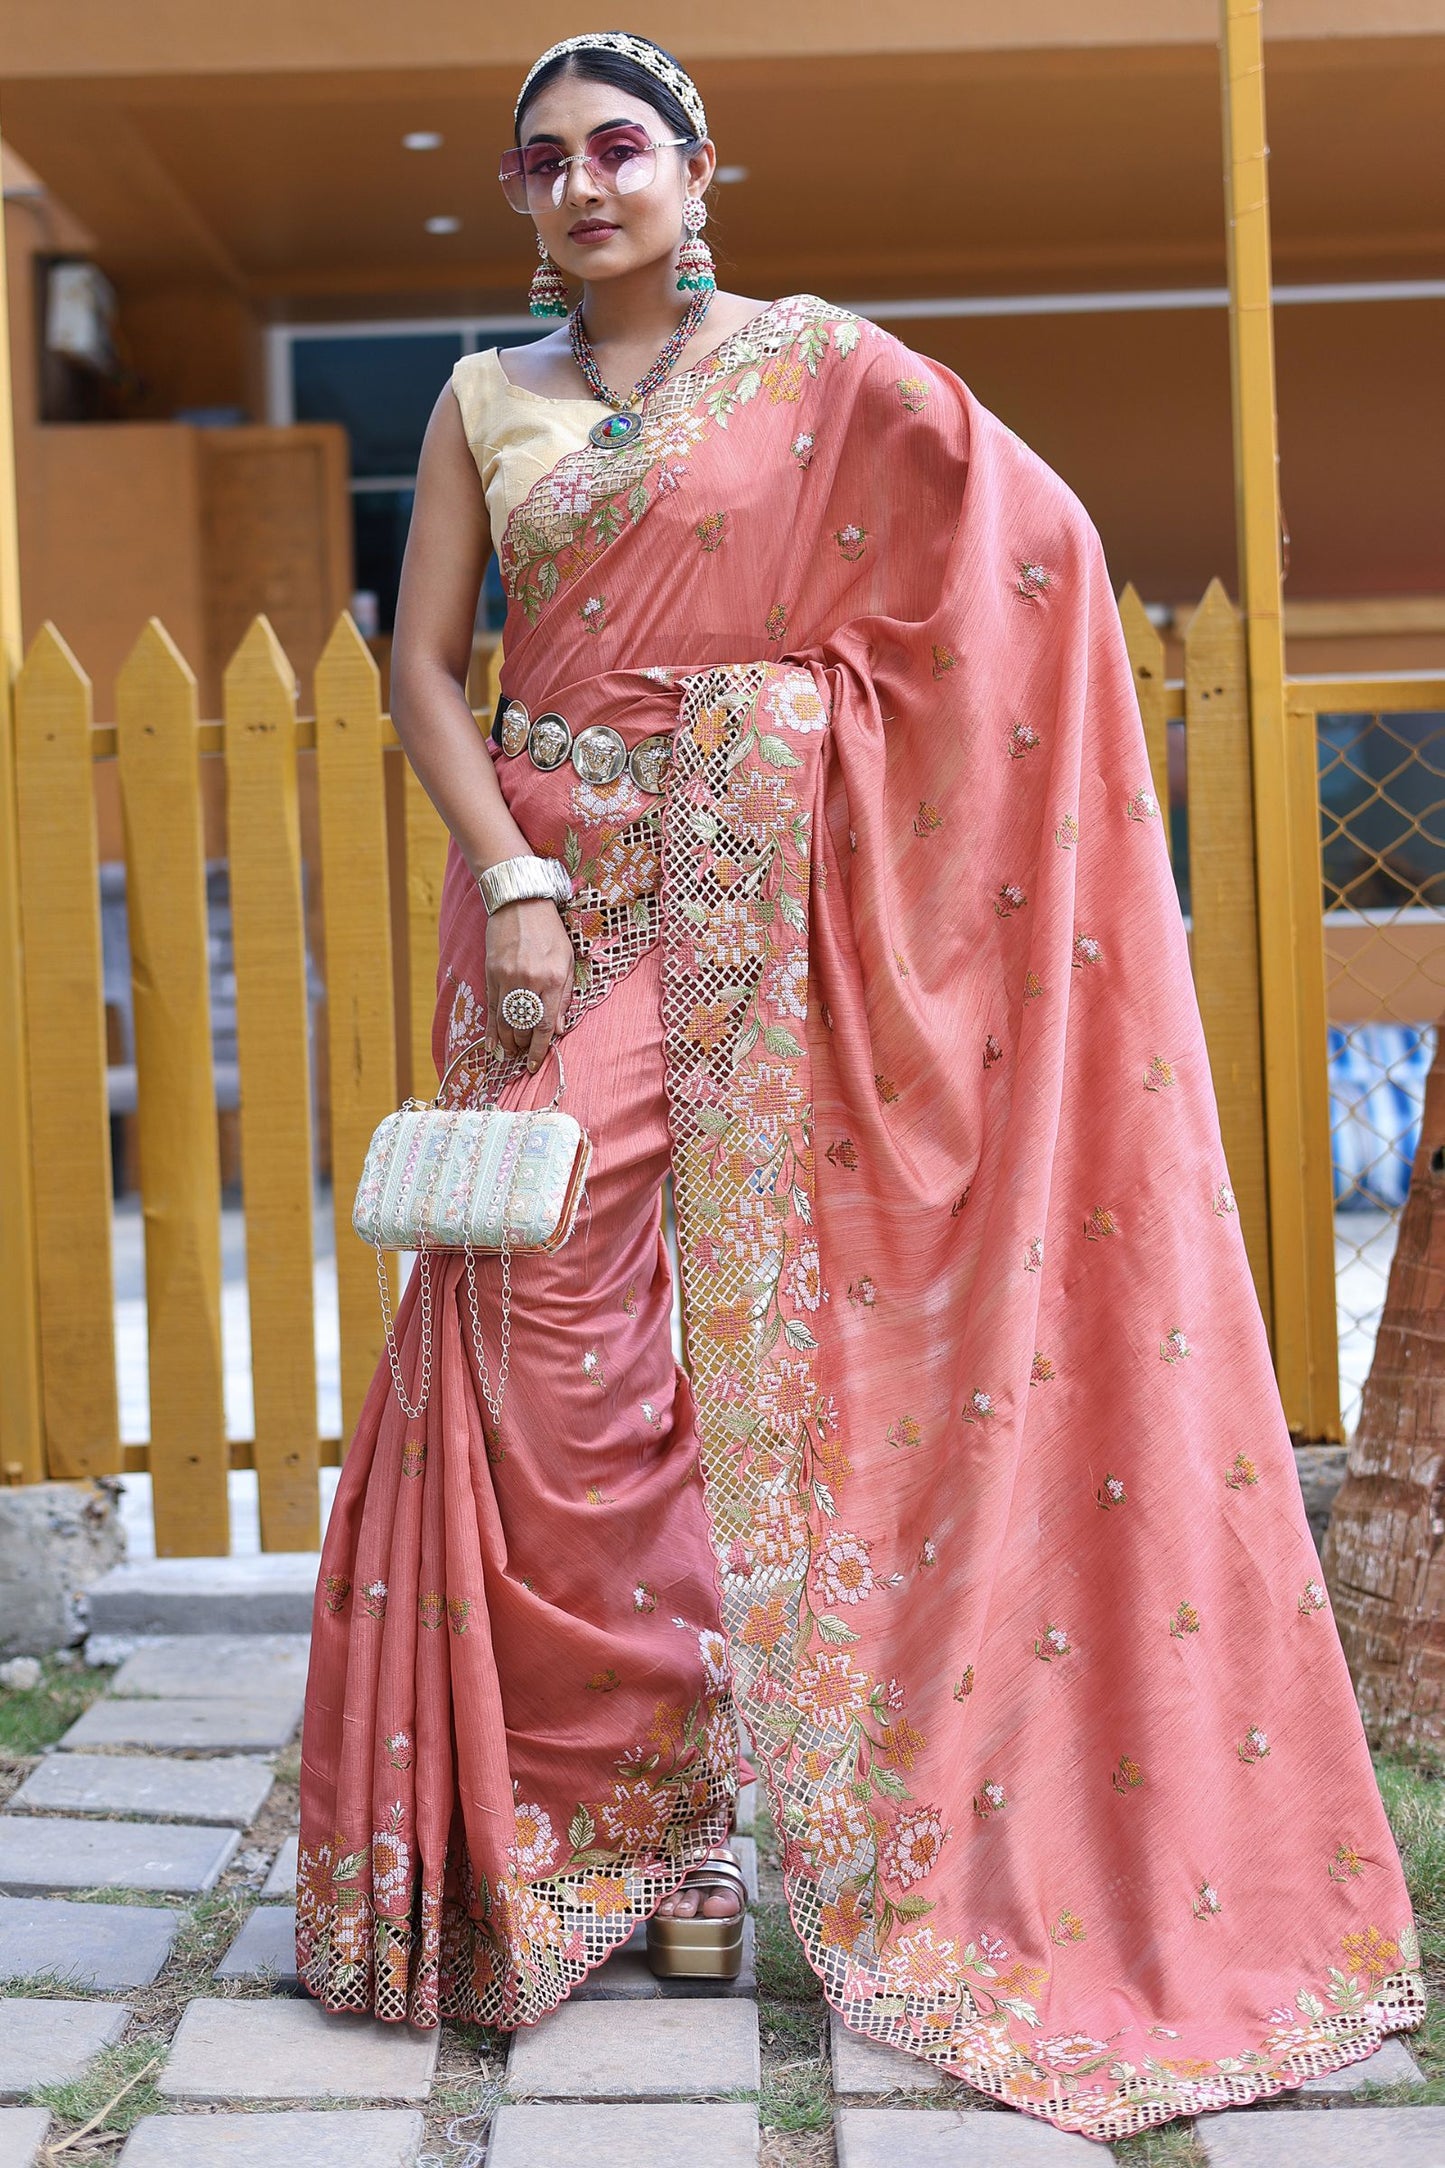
(624, 423)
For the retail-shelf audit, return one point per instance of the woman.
(869, 934)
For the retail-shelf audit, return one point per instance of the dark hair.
(597, 65)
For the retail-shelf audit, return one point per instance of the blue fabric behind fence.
(1377, 1091)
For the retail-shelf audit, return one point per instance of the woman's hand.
(527, 945)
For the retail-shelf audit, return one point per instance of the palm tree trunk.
(1384, 1550)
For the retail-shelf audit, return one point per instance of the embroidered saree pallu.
(1021, 1604)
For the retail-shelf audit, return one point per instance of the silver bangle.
(517, 880)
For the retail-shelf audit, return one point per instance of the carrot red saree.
(1001, 1518)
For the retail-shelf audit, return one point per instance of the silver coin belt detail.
(598, 753)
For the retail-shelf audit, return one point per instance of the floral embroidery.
(905, 1432)
(1111, 1492)
(913, 392)
(783, 380)
(1174, 1348)
(1126, 1776)
(1143, 806)
(604, 1682)
(1206, 1901)
(1009, 899)
(964, 1686)
(943, 661)
(1066, 835)
(863, 1291)
(777, 622)
(980, 1408)
(914, 1843)
(373, 1599)
(1241, 1472)
(1159, 1075)
(843, 1569)
(1034, 1255)
(794, 703)
(1253, 1746)
(852, 541)
(711, 530)
(338, 1588)
(1054, 1641)
(535, 1847)
(593, 613)
(398, 1750)
(1034, 581)
(1021, 740)
(992, 1051)
(926, 819)
(592, 1365)
(390, 1858)
(1347, 1861)
(1101, 1223)
(989, 1799)
(1312, 1599)
(1086, 950)
(459, 1611)
(1033, 986)
(1224, 1201)
(644, 1598)
(413, 1456)
(1068, 1927)
(962, 1198)
(886, 1089)
(1042, 1372)
(802, 447)
(1184, 1621)
(431, 1608)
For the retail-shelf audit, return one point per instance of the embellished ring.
(523, 1008)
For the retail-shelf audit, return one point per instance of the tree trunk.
(1383, 1557)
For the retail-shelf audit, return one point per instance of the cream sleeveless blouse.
(516, 436)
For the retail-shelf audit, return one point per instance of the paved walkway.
(147, 1865)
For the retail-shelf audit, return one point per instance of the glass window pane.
(381, 388)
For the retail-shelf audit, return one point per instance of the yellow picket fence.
(1242, 847)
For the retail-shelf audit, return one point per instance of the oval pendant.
(614, 430)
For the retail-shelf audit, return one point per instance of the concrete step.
(268, 1594)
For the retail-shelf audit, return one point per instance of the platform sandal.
(702, 1946)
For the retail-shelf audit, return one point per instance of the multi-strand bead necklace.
(624, 423)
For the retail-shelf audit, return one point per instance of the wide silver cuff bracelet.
(517, 880)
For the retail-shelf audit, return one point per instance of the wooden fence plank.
(1225, 943)
(360, 1013)
(180, 1179)
(1146, 657)
(263, 834)
(426, 857)
(65, 1032)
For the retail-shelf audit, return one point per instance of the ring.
(523, 1008)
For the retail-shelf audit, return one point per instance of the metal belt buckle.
(514, 724)
(549, 740)
(599, 753)
(650, 760)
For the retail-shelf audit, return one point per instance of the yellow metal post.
(22, 1436)
(1290, 899)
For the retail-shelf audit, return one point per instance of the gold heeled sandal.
(701, 1946)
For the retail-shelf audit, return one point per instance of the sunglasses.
(621, 160)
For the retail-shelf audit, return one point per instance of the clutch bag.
(489, 1179)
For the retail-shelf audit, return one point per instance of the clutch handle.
(554, 1048)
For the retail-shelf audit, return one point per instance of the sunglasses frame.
(583, 158)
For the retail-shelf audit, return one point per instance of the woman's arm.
(446, 554)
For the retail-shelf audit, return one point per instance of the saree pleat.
(1002, 1528)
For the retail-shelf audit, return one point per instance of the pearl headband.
(657, 64)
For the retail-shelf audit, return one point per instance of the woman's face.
(595, 233)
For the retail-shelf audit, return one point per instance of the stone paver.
(44, 2041)
(1259, 2138)
(294, 2138)
(40, 1852)
(637, 2051)
(971, 2138)
(626, 1976)
(267, 1942)
(89, 1946)
(721, 2135)
(272, 1592)
(288, 2049)
(745, 1852)
(233, 1666)
(861, 2065)
(21, 2130)
(258, 1724)
(1391, 2064)
(230, 1789)
(746, 1811)
(281, 1881)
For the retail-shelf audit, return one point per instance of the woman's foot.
(687, 1903)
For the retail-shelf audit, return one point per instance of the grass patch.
(112, 2093)
(1173, 2145)
(35, 1717)
(784, 1974)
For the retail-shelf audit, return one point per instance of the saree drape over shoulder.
(999, 1516)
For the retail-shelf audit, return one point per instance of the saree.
(1013, 1583)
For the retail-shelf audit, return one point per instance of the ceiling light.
(444, 225)
(725, 174)
(422, 139)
